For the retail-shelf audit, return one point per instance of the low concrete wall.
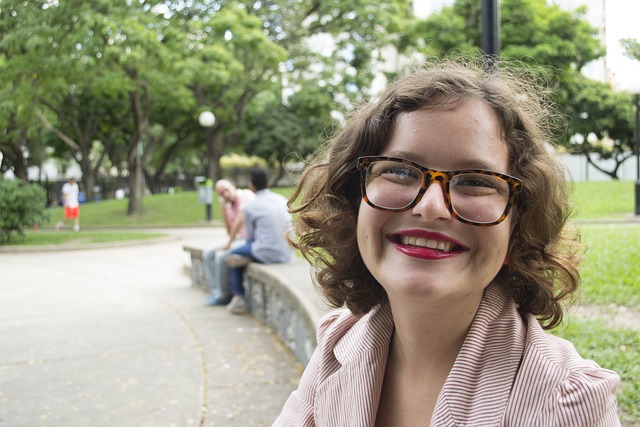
(281, 296)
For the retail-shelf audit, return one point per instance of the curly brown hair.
(543, 255)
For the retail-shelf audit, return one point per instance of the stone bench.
(196, 268)
(281, 296)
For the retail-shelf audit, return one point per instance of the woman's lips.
(426, 245)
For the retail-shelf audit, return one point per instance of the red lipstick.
(427, 245)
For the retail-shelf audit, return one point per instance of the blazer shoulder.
(582, 390)
(333, 326)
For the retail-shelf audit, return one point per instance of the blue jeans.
(236, 273)
(217, 270)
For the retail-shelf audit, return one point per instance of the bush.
(22, 205)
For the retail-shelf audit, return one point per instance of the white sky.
(622, 21)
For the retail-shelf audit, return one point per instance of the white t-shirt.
(70, 195)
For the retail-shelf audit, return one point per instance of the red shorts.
(71, 213)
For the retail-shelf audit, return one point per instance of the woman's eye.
(476, 181)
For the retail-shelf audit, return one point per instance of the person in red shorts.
(71, 205)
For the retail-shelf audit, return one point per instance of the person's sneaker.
(59, 226)
(212, 301)
(234, 261)
(240, 307)
(76, 228)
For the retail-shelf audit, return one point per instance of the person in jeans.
(233, 200)
(267, 221)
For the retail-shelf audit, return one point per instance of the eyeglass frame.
(444, 178)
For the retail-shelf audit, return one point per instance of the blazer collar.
(478, 385)
(352, 393)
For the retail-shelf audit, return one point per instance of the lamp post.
(490, 33)
(207, 120)
(636, 100)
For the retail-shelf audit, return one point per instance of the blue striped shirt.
(267, 220)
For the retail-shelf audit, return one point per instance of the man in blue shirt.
(267, 221)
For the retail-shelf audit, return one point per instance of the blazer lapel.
(477, 389)
(350, 396)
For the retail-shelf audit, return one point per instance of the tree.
(531, 31)
(20, 136)
(556, 44)
(279, 131)
(632, 48)
(335, 44)
(601, 125)
(121, 83)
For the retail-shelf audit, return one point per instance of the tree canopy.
(117, 86)
(557, 44)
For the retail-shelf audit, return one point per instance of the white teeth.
(431, 244)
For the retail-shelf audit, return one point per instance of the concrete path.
(118, 337)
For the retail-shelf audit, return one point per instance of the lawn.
(611, 267)
(161, 210)
(49, 237)
(604, 199)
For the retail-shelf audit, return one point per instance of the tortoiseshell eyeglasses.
(473, 196)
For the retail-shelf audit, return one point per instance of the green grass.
(613, 348)
(611, 267)
(161, 210)
(604, 199)
(158, 210)
(39, 238)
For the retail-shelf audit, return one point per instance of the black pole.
(490, 33)
(636, 100)
(207, 174)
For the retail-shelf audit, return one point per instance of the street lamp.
(207, 120)
(636, 100)
(490, 33)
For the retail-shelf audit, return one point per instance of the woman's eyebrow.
(470, 163)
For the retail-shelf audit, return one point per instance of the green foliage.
(632, 48)
(532, 31)
(22, 206)
(280, 131)
(556, 44)
(235, 160)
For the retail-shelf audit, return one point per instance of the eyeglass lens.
(476, 197)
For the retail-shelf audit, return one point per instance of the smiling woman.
(459, 262)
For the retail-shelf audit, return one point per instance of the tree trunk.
(136, 181)
(613, 174)
(136, 187)
(88, 179)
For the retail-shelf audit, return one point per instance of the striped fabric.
(509, 372)
(267, 220)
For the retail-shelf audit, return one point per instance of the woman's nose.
(432, 205)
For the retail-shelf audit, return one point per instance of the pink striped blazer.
(509, 372)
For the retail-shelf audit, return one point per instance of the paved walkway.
(118, 337)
